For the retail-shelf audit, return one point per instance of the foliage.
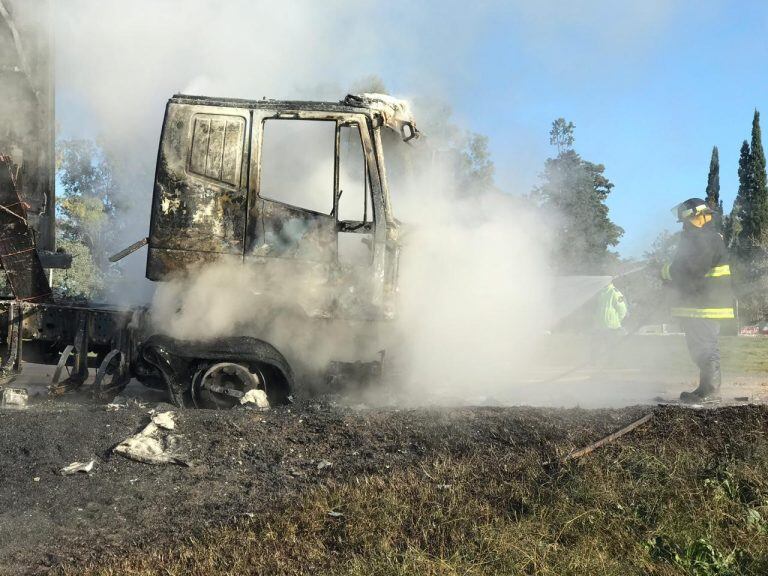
(734, 224)
(713, 182)
(662, 249)
(475, 167)
(756, 221)
(84, 279)
(86, 208)
(729, 225)
(446, 152)
(749, 217)
(751, 283)
(561, 134)
(573, 194)
(86, 215)
(646, 297)
(746, 231)
(698, 558)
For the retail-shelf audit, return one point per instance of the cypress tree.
(752, 249)
(757, 216)
(735, 223)
(713, 181)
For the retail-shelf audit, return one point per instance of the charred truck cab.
(279, 186)
(295, 192)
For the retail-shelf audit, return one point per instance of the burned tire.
(225, 385)
(183, 366)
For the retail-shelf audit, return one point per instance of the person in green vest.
(609, 314)
(611, 308)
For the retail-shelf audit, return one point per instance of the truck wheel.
(112, 376)
(217, 374)
(173, 371)
(224, 385)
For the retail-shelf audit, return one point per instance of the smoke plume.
(475, 284)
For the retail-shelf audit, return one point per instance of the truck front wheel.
(225, 385)
(221, 374)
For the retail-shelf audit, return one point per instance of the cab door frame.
(255, 236)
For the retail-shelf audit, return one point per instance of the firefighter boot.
(709, 383)
(714, 379)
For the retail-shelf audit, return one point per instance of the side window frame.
(258, 161)
(371, 150)
(366, 225)
(240, 168)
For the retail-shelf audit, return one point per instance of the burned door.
(355, 212)
(200, 197)
(291, 227)
(312, 196)
(296, 183)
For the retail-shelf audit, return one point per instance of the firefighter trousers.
(702, 337)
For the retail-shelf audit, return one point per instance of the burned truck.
(294, 192)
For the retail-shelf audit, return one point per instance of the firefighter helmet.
(691, 208)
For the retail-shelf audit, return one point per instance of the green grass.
(749, 354)
(668, 354)
(685, 494)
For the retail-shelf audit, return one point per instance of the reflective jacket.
(700, 275)
(611, 308)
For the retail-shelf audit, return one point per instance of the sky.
(651, 86)
(650, 89)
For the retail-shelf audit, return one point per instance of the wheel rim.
(111, 377)
(222, 385)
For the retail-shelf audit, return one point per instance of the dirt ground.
(246, 462)
(241, 463)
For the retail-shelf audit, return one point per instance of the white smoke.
(474, 287)
(475, 298)
(474, 275)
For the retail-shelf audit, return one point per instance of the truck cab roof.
(270, 104)
(392, 112)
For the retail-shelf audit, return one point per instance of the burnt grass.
(423, 491)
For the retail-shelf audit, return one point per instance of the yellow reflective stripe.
(717, 271)
(713, 313)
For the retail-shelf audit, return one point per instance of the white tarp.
(154, 444)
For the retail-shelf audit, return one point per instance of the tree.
(755, 214)
(734, 224)
(643, 288)
(748, 228)
(475, 169)
(713, 182)
(561, 134)
(86, 215)
(573, 194)
(447, 151)
(84, 279)
(751, 205)
(662, 249)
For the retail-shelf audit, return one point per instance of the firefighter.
(701, 279)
